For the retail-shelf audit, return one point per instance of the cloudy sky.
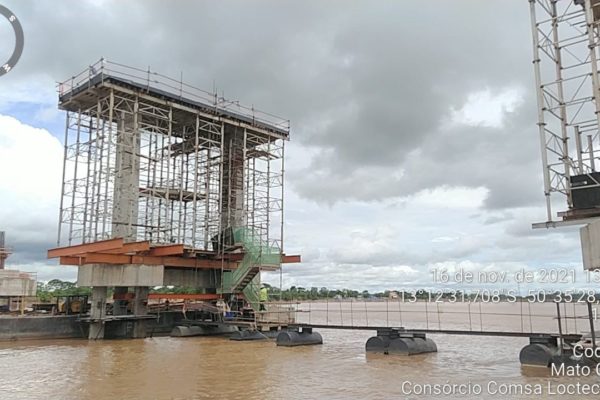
(413, 142)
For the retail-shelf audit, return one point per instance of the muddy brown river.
(216, 368)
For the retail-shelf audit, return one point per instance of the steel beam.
(102, 245)
(290, 259)
(130, 248)
(119, 259)
(171, 250)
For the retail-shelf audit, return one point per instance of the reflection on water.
(198, 368)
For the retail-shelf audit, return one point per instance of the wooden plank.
(129, 248)
(170, 250)
(103, 245)
(291, 259)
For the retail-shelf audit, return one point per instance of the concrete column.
(98, 312)
(233, 177)
(192, 278)
(140, 307)
(120, 306)
(127, 177)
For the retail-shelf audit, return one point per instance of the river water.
(216, 368)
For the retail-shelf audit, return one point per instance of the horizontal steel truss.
(565, 45)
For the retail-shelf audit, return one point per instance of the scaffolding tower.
(165, 184)
(148, 157)
(565, 44)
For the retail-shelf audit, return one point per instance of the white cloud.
(46, 272)
(452, 197)
(37, 89)
(487, 108)
(31, 165)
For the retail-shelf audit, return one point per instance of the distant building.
(14, 285)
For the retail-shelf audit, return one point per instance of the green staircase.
(246, 278)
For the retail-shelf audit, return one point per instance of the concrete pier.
(140, 308)
(120, 305)
(97, 312)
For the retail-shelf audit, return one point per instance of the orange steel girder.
(115, 251)
(179, 262)
(170, 250)
(103, 245)
(134, 247)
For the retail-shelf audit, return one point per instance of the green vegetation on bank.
(46, 291)
(315, 293)
(57, 288)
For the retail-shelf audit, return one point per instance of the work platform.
(82, 92)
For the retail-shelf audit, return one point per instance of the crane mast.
(566, 37)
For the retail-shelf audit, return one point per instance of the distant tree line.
(47, 291)
(322, 293)
(57, 288)
(176, 290)
(316, 293)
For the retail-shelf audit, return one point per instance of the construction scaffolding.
(565, 42)
(150, 158)
(165, 184)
